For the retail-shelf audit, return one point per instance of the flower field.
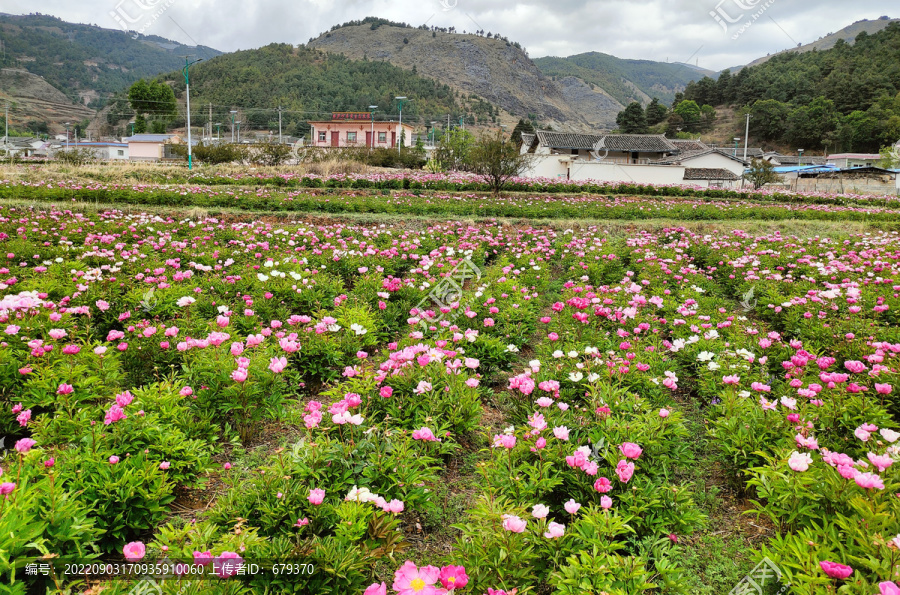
(439, 407)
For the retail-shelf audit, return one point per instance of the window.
(382, 137)
(322, 137)
(121, 153)
(351, 137)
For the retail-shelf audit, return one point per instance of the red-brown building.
(356, 129)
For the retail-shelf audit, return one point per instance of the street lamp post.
(132, 128)
(737, 139)
(372, 109)
(67, 136)
(238, 131)
(432, 133)
(401, 99)
(799, 157)
(218, 131)
(187, 92)
(233, 113)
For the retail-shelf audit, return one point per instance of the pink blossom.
(454, 577)
(386, 392)
(24, 445)
(602, 485)
(134, 551)
(113, 460)
(411, 580)
(571, 506)
(836, 570)
(664, 413)
(278, 364)
(881, 462)
(316, 496)
(630, 450)
(605, 502)
(624, 470)
(540, 511)
(799, 461)
(513, 523)
(424, 434)
(869, 481)
(504, 440)
(561, 432)
(376, 589)
(555, 530)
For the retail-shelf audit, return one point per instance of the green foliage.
(632, 120)
(690, 113)
(76, 156)
(497, 160)
(656, 79)
(306, 80)
(523, 126)
(656, 112)
(453, 151)
(152, 98)
(214, 153)
(761, 173)
(66, 54)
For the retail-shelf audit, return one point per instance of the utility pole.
(187, 87)
(210, 122)
(6, 138)
(279, 125)
(401, 99)
(233, 112)
(746, 137)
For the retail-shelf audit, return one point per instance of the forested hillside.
(86, 61)
(625, 80)
(845, 98)
(310, 84)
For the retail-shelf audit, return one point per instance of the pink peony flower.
(624, 470)
(113, 460)
(602, 485)
(881, 462)
(164, 465)
(664, 413)
(376, 589)
(513, 523)
(630, 450)
(540, 511)
(799, 461)
(454, 577)
(134, 551)
(386, 392)
(869, 481)
(6, 488)
(888, 588)
(605, 502)
(227, 564)
(555, 530)
(24, 445)
(316, 496)
(572, 506)
(836, 570)
(411, 580)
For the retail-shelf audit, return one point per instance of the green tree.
(768, 119)
(497, 160)
(632, 120)
(524, 126)
(761, 173)
(453, 150)
(655, 112)
(152, 98)
(890, 157)
(808, 124)
(690, 114)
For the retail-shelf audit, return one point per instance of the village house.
(104, 151)
(851, 160)
(635, 158)
(149, 147)
(357, 129)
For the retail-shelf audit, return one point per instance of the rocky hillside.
(624, 80)
(32, 98)
(492, 69)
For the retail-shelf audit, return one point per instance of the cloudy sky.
(673, 30)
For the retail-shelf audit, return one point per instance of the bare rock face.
(598, 107)
(36, 99)
(490, 68)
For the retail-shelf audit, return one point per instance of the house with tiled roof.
(632, 149)
(709, 158)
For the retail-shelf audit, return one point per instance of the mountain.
(85, 62)
(847, 34)
(625, 80)
(494, 70)
(32, 99)
(309, 84)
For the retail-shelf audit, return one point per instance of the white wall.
(550, 167)
(715, 160)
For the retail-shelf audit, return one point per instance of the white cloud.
(661, 30)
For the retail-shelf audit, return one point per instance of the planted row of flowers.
(138, 350)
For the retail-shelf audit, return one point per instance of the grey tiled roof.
(686, 156)
(709, 173)
(640, 143)
(685, 145)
